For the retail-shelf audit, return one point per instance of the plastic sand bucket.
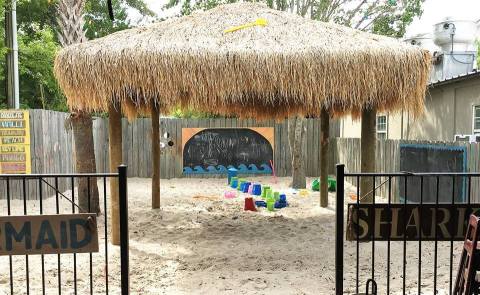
(234, 183)
(250, 189)
(246, 185)
(279, 205)
(303, 193)
(282, 198)
(257, 189)
(232, 172)
(271, 206)
(260, 204)
(265, 189)
(276, 196)
(230, 195)
(249, 204)
(332, 184)
(240, 186)
(269, 195)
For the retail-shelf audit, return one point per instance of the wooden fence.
(52, 148)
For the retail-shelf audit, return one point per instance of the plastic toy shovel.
(258, 22)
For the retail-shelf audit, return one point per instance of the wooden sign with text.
(15, 142)
(48, 234)
(381, 222)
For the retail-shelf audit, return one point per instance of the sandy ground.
(201, 243)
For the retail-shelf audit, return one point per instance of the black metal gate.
(85, 273)
(422, 263)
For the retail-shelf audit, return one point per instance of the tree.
(385, 17)
(38, 43)
(70, 31)
(296, 140)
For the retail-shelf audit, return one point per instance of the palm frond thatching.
(291, 66)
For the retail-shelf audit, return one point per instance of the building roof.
(473, 74)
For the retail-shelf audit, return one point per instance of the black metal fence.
(411, 246)
(82, 273)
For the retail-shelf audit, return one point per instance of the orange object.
(353, 197)
(249, 204)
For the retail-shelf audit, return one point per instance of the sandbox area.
(201, 243)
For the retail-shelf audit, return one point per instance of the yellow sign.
(15, 142)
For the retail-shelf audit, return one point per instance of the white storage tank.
(425, 41)
(458, 52)
(455, 35)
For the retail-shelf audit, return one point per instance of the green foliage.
(191, 114)
(385, 17)
(38, 43)
(97, 22)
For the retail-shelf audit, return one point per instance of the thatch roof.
(291, 65)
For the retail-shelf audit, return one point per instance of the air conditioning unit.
(467, 137)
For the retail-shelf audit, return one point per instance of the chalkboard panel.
(433, 158)
(217, 149)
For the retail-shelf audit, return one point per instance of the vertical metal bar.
(90, 254)
(420, 238)
(59, 263)
(451, 238)
(40, 195)
(435, 259)
(124, 251)
(27, 272)
(405, 235)
(373, 231)
(72, 182)
(389, 231)
(9, 212)
(339, 230)
(106, 231)
(469, 189)
(358, 239)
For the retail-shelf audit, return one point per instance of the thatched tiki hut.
(247, 60)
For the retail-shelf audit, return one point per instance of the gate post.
(123, 204)
(339, 222)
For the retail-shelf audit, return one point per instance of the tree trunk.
(368, 146)
(324, 142)
(115, 147)
(155, 156)
(81, 123)
(296, 134)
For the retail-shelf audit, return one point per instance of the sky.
(434, 11)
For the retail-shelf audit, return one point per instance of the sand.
(201, 243)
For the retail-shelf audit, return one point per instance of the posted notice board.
(15, 142)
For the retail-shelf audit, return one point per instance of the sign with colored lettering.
(412, 222)
(48, 234)
(15, 142)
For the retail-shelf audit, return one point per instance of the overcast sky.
(433, 12)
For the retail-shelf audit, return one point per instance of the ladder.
(465, 283)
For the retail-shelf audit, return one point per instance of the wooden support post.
(368, 147)
(324, 141)
(155, 156)
(115, 147)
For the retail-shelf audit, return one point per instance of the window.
(382, 127)
(476, 119)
